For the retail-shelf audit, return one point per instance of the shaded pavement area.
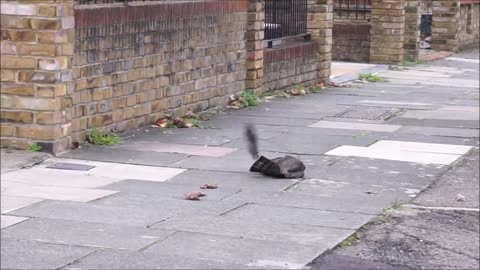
(365, 146)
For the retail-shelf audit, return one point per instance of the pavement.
(366, 146)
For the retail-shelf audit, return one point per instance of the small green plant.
(349, 240)
(394, 206)
(369, 77)
(34, 148)
(96, 136)
(408, 62)
(315, 89)
(250, 98)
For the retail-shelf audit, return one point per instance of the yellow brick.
(45, 24)
(47, 11)
(45, 91)
(48, 117)
(7, 131)
(17, 89)
(39, 132)
(16, 117)
(7, 75)
(37, 104)
(15, 35)
(15, 62)
(54, 37)
(37, 49)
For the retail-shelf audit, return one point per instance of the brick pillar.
(387, 33)
(36, 79)
(445, 25)
(412, 29)
(320, 25)
(255, 45)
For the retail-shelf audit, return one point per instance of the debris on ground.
(208, 186)
(194, 196)
(236, 102)
(297, 90)
(189, 120)
(340, 84)
(460, 198)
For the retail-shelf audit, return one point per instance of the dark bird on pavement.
(281, 167)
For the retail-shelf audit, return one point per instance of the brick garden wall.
(290, 64)
(351, 41)
(469, 35)
(134, 63)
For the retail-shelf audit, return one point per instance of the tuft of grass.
(34, 148)
(369, 77)
(408, 62)
(315, 89)
(394, 206)
(96, 136)
(250, 98)
(349, 240)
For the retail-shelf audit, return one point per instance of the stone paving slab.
(127, 214)
(16, 159)
(7, 221)
(243, 181)
(422, 147)
(85, 234)
(238, 121)
(11, 203)
(320, 237)
(355, 126)
(241, 251)
(391, 154)
(120, 171)
(115, 259)
(60, 178)
(439, 123)
(443, 114)
(53, 192)
(299, 216)
(193, 150)
(22, 254)
(117, 155)
(436, 131)
(167, 190)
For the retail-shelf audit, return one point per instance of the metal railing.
(285, 19)
(352, 9)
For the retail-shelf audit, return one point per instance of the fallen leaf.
(208, 186)
(194, 196)
(460, 198)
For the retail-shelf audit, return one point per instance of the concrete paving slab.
(62, 178)
(257, 229)
(453, 82)
(115, 259)
(465, 60)
(443, 115)
(167, 190)
(81, 212)
(85, 234)
(16, 159)
(119, 155)
(389, 154)
(238, 121)
(439, 123)
(394, 103)
(21, 254)
(413, 75)
(243, 251)
(355, 126)
(243, 181)
(193, 150)
(421, 147)
(299, 216)
(436, 131)
(122, 171)
(11, 203)
(7, 221)
(53, 192)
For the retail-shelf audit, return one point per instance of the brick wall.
(290, 64)
(469, 26)
(36, 80)
(134, 63)
(351, 41)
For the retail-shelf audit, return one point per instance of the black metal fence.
(352, 9)
(285, 18)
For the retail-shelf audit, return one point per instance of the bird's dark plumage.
(281, 167)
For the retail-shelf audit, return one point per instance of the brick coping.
(289, 51)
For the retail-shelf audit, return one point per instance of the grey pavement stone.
(70, 166)
(115, 154)
(436, 131)
(238, 121)
(242, 251)
(85, 234)
(10, 203)
(343, 262)
(17, 159)
(114, 259)
(299, 216)
(320, 237)
(7, 221)
(187, 149)
(166, 190)
(231, 180)
(411, 137)
(22, 254)
(279, 110)
(435, 123)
